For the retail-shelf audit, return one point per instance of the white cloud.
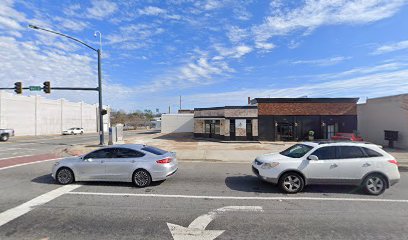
(369, 85)
(314, 14)
(10, 19)
(235, 52)
(236, 34)
(392, 47)
(200, 71)
(323, 61)
(134, 36)
(151, 11)
(72, 10)
(101, 9)
(72, 25)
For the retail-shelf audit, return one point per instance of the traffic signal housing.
(18, 87)
(47, 87)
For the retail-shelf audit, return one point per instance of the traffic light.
(104, 112)
(18, 87)
(47, 87)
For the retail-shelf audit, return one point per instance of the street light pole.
(101, 124)
(101, 130)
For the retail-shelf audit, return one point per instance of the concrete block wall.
(36, 115)
(173, 123)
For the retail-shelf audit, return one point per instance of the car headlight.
(269, 165)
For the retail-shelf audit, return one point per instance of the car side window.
(127, 153)
(103, 153)
(350, 152)
(325, 153)
(372, 153)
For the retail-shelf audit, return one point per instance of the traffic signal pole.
(99, 88)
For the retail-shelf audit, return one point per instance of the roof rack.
(342, 141)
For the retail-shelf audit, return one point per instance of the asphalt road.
(121, 211)
(34, 145)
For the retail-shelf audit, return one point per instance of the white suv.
(344, 163)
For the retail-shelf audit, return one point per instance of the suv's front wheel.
(291, 182)
(374, 184)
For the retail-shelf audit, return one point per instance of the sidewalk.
(188, 148)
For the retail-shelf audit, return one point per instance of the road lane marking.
(240, 198)
(29, 163)
(26, 207)
(196, 230)
(16, 157)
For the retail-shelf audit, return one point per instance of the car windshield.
(296, 151)
(71, 129)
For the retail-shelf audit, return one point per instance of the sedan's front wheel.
(374, 184)
(141, 178)
(65, 176)
(291, 182)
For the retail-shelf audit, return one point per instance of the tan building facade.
(384, 114)
(227, 123)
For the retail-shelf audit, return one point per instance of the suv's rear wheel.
(374, 184)
(291, 182)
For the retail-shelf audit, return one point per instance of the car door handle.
(333, 165)
(133, 161)
(102, 161)
(366, 165)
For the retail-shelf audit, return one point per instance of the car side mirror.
(313, 157)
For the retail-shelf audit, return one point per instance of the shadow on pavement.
(47, 179)
(250, 183)
(177, 137)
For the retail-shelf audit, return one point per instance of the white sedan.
(73, 131)
(343, 163)
(137, 163)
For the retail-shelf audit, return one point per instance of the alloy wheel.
(64, 176)
(141, 178)
(375, 185)
(292, 183)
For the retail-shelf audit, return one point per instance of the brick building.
(278, 119)
(291, 119)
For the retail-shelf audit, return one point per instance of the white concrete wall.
(177, 123)
(35, 115)
(387, 113)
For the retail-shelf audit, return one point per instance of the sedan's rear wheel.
(374, 184)
(291, 182)
(65, 176)
(4, 137)
(141, 178)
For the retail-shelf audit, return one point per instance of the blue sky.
(212, 53)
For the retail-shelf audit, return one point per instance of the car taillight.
(393, 162)
(164, 160)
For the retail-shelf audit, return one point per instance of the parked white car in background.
(343, 163)
(73, 131)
